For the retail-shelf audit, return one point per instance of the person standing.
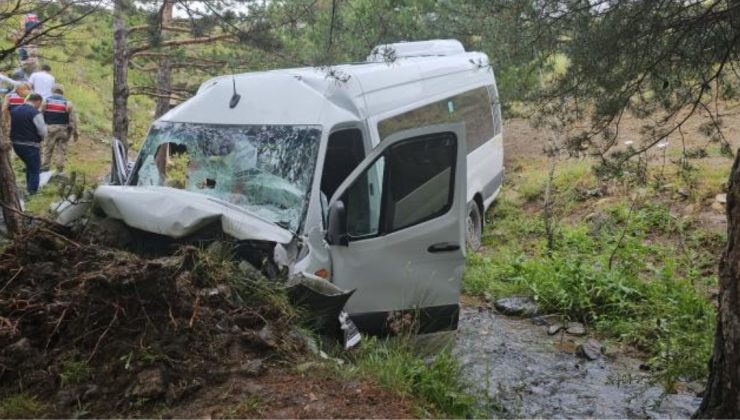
(27, 131)
(61, 120)
(15, 98)
(42, 81)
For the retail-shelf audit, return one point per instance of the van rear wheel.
(475, 227)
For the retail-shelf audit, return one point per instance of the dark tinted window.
(472, 107)
(363, 201)
(343, 153)
(412, 182)
(421, 179)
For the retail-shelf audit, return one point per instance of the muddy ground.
(90, 330)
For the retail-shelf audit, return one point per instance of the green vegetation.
(75, 372)
(21, 406)
(436, 384)
(244, 409)
(634, 272)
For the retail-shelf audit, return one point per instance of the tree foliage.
(664, 60)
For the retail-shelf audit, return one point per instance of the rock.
(267, 336)
(717, 206)
(254, 367)
(683, 192)
(149, 384)
(575, 328)
(597, 221)
(721, 198)
(543, 320)
(517, 306)
(554, 329)
(595, 192)
(540, 320)
(590, 350)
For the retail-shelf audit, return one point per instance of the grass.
(75, 372)
(653, 295)
(436, 384)
(21, 406)
(246, 408)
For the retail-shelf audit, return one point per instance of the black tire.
(474, 224)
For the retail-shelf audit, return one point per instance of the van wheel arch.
(475, 221)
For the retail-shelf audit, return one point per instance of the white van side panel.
(444, 79)
(485, 171)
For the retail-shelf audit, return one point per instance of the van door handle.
(443, 247)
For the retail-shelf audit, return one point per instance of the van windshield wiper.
(283, 224)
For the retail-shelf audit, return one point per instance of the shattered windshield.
(265, 169)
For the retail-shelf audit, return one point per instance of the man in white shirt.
(43, 81)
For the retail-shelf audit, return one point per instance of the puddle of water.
(531, 374)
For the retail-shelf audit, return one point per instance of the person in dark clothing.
(27, 131)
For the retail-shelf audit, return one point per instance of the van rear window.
(472, 107)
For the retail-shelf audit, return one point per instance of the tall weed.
(648, 298)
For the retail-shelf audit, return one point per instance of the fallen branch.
(62, 237)
(196, 306)
(11, 280)
(30, 217)
(97, 344)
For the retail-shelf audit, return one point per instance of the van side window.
(472, 107)
(421, 180)
(363, 201)
(496, 104)
(412, 182)
(344, 152)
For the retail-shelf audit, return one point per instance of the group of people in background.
(36, 117)
(39, 122)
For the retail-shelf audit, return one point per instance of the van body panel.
(177, 213)
(419, 266)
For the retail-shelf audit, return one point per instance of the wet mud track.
(527, 373)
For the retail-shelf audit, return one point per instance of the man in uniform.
(61, 119)
(12, 100)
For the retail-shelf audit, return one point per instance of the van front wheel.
(475, 227)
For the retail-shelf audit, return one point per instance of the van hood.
(179, 213)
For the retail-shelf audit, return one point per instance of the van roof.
(329, 95)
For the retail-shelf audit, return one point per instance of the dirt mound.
(83, 325)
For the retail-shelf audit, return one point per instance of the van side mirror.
(336, 232)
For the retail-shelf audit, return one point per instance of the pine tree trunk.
(164, 71)
(120, 72)
(722, 397)
(8, 189)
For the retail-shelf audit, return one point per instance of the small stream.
(530, 374)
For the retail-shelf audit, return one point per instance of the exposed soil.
(86, 327)
(522, 141)
(524, 145)
(283, 393)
